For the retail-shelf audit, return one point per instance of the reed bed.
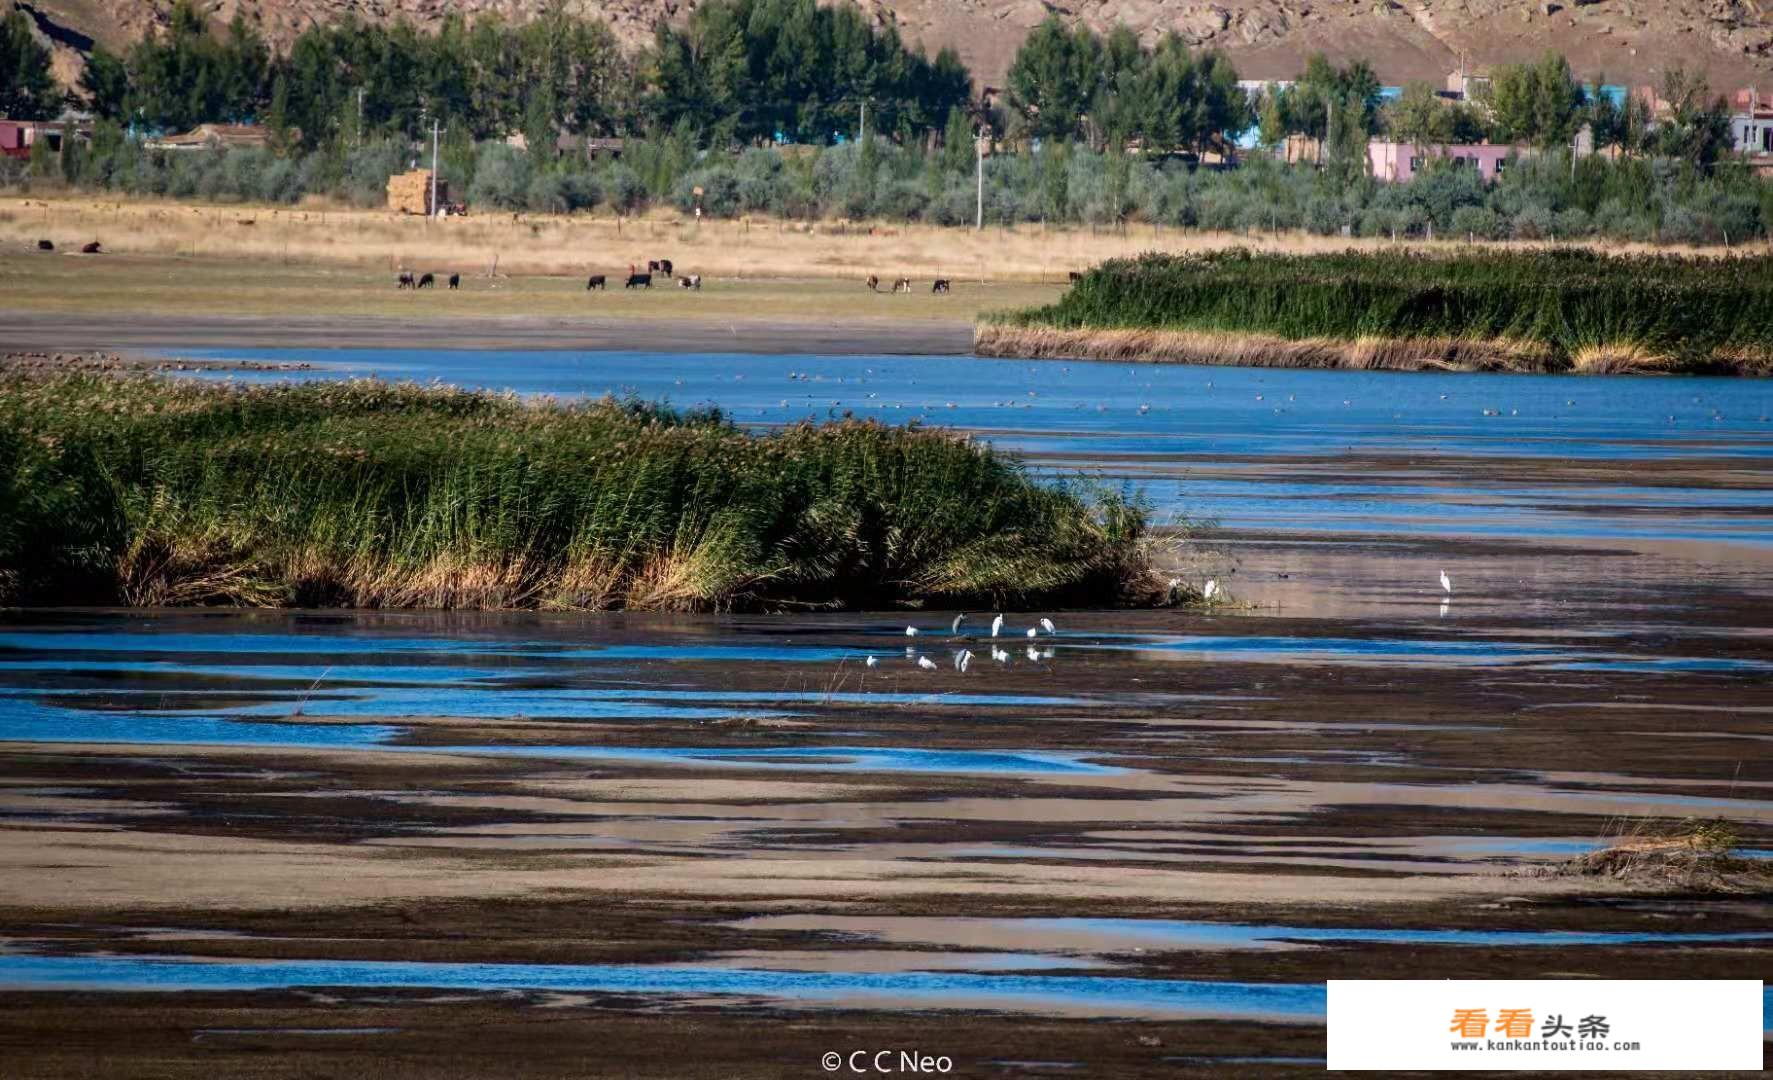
(1553, 310)
(144, 490)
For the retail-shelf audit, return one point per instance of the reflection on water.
(1068, 994)
(1259, 433)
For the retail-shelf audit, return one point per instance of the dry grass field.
(113, 285)
(168, 258)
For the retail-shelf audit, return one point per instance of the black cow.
(424, 281)
(45, 245)
(659, 266)
(597, 282)
(1076, 277)
(941, 285)
(639, 281)
(90, 249)
(455, 281)
(404, 281)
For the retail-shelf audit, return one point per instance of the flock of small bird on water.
(1045, 627)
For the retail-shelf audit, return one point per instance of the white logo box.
(1631, 1024)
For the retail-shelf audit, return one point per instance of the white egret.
(911, 631)
(926, 663)
(1446, 583)
(958, 619)
(1033, 653)
(872, 661)
(1033, 630)
(1002, 656)
(1047, 625)
(1210, 591)
(996, 625)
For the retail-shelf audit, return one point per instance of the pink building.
(1395, 162)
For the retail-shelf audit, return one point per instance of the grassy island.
(1561, 310)
(146, 490)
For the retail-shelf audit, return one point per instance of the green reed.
(1690, 313)
(145, 490)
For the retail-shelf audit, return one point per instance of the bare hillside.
(1623, 40)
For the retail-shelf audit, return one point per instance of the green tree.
(1539, 103)
(277, 118)
(1272, 119)
(106, 84)
(957, 143)
(1418, 117)
(27, 89)
(1697, 129)
(1053, 79)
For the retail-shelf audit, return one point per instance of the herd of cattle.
(903, 285)
(643, 279)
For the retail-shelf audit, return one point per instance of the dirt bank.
(162, 333)
(1365, 354)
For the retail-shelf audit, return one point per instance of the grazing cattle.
(639, 281)
(902, 285)
(90, 249)
(1076, 277)
(45, 245)
(455, 281)
(694, 281)
(424, 281)
(597, 282)
(873, 283)
(941, 285)
(405, 280)
(659, 266)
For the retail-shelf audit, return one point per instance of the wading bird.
(926, 663)
(1033, 630)
(996, 625)
(911, 631)
(958, 619)
(872, 661)
(962, 659)
(1033, 653)
(1047, 625)
(1446, 583)
(1210, 591)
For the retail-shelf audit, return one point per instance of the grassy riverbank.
(1547, 311)
(141, 490)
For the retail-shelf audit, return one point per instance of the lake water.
(1253, 449)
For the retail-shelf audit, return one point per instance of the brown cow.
(902, 285)
(90, 249)
(873, 283)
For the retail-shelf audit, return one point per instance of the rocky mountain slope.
(1624, 40)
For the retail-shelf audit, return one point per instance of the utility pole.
(432, 207)
(979, 173)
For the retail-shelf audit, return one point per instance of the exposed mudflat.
(413, 844)
(342, 834)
